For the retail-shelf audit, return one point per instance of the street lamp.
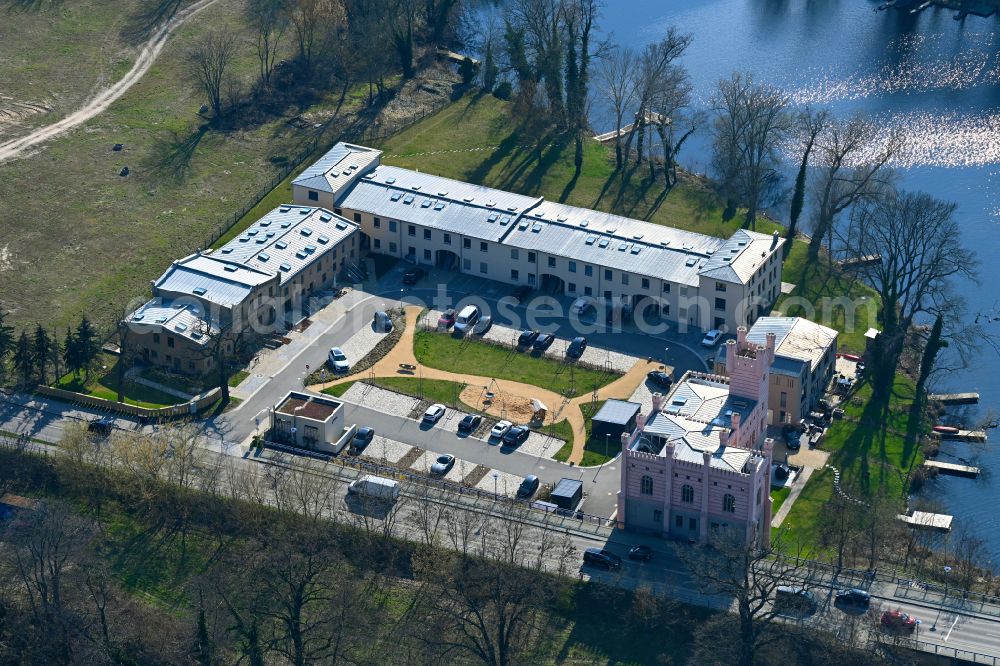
(496, 477)
(947, 570)
(607, 443)
(665, 351)
(401, 300)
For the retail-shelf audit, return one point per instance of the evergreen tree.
(7, 342)
(203, 643)
(88, 345)
(71, 353)
(24, 359)
(42, 352)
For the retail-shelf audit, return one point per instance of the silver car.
(443, 464)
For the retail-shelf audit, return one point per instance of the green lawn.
(104, 384)
(596, 451)
(778, 498)
(829, 297)
(237, 377)
(486, 145)
(435, 390)
(439, 350)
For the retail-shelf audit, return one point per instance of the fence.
(958, 654)
(942, 595)
(184, 409)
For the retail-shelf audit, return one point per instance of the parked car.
(521, 292)
(793, 440)
(500, 429)
(794, 601)
(582, 306)
(447, 318)
(443, 464)
(434, 413)
(469, 423)
(852, 601)
(576, 347)
(338, 360)
(482, 325)
(661, 379)
(528, 486)
(374, 487)
(641, 553)
(516, 435)
(543, 342)
(711, 338)
(101, 426)
(413, 276)
(898, 622)
(601, 558)
(466, 319)
(362, 438)
(382, 322)
(526, 338)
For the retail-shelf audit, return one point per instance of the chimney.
(774, 239)
(770, 348)
(657, 402)
(734, 436)
(741, 338)
(624, 440)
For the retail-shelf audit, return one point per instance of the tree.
(811, 125)
(369, 33)
(437, 16)
(24, 359)
(467, 70)
(269, 21)
(751, 123)
(42, 349)
(404, 17)
(88, 345)
(316, 25)
(749, 575)
(919, 249)
(540, 24)
(671, 117)
(618, 86)
(208, 62)
(7, 342)
(851, 170)
(71, 353)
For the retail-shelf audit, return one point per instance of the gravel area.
(455, 474)
(644, 396)
(541, 446)
(382, 399)
(361, 343)
(506, 484)
(383, 448)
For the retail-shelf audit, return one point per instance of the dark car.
(447, 318)
(101, 426)
(576, 347)
(852, 601)
(526, 338)
(469, 423)
(516, 435)
(543, 342)
(898, 622)
(793, 440)
(528, 486)
(413, 276)
(521, 292)
(601, 558)
(362, 438)
(660, 378)
(642, 553)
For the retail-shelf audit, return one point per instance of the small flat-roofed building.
(805, 357)
(567, 494)
(614, 418)
(308, 421)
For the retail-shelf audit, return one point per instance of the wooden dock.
(651, 119)
(928, 521)
(952, 469)
(955, 398)
(859, 262)
(962, 435)
(456, 58)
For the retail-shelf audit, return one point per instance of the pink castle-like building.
(700, 461)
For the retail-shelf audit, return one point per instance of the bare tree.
(851, 170)
(208, 62)
(316, 24)
(268, 19)
(673, 120)
(919, 251)
(405, 19)
(461, 528)
(810, 125)
(751, 123)
(618, 86)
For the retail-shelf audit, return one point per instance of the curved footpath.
(621, 389)
(103, 99)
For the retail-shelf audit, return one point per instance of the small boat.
(850, 357)
(946, 430)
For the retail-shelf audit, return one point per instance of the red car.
(447, 318)
(898, 621)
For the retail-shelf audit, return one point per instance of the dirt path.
(103, 99)
(512, 397)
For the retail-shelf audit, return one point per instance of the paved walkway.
(786, 506)
(559, 406)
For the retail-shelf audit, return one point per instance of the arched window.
(646, 487)
(729, 503)
(687, 493)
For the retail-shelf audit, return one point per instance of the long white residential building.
(680, 276)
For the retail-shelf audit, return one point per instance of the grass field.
(871, 459)
(435, 390)
(79, 237)
(104, 384)
(596, 451)
(441, 351)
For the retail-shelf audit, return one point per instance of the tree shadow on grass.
(141, 25)
(867, 439)
(30, 5)
(172, 155)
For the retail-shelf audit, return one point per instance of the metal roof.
(741, 256)
(796, 338)
(567, 488)
(617, 412)
(213, 279)
(436, 202)
(338, 167)
(181, 317)
(292, 236)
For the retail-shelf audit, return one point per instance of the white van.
(466, 319)
(375, 487)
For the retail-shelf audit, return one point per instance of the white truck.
(376, 487)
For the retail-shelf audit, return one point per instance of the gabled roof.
(796, 338)
(225, 283)
(181, 317)
(741, 256)
(335, 169)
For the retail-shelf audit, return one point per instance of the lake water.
(937, 78)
